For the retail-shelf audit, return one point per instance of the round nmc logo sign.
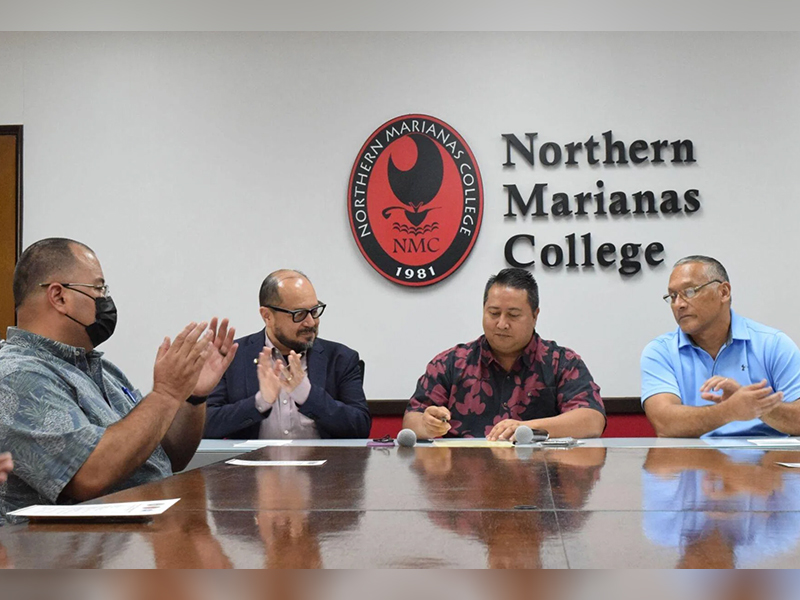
(415, 200)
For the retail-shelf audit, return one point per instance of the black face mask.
(105, 319)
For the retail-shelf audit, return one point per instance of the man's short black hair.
(518, 279)
(269, 295)
(40, 262)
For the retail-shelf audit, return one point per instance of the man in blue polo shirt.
(718, 374)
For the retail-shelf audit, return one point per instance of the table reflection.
(5, 561)
(175, 540)
(721, 508)
(284, 528)
(278, 527)
(183, 539)
(517, 481)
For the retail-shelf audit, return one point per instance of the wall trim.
(618, 405)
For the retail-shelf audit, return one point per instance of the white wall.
(194, 164)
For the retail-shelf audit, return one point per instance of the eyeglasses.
(104, 290)
(688, 293)
(299, 315)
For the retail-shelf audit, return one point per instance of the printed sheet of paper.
(262, 443)
(275, 463)
(775, 442)
(470, 443)
(118, 510)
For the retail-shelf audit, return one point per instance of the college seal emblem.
(415, 200)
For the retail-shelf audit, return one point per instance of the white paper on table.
(275, 463)
(775, 442)
(262, 443)
(116, 510)
(790, 465)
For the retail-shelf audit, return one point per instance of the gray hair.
(269, 295)
(714, 268)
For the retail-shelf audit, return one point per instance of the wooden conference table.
(618, 503)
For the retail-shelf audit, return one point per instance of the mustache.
(307, 330)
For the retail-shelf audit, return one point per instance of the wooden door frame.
(16, 131)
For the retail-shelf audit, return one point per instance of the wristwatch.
(196, 400)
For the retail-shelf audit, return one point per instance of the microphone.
(407, 438)
(523, 435)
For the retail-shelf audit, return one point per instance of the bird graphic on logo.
(418, 186)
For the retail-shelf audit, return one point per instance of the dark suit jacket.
(336, 402)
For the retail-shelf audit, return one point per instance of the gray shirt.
(56, 402)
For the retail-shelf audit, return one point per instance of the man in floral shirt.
(507, 377)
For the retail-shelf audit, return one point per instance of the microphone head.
(407, 438)
(523, 435)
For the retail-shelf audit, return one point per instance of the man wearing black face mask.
(105, 311)
(76, 426)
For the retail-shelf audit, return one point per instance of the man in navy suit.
(285, 382)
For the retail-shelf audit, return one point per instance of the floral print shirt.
(545, 381)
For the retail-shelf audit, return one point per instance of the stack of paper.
(275, 463)
(262, 443)
(114, 511)
(782, 442)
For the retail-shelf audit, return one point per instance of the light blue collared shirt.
(672, 364)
